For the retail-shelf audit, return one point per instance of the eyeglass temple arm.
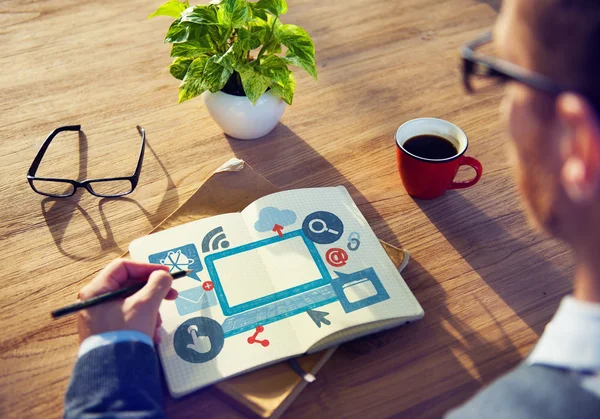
(482, 39)
(138, 168)
(40, 154)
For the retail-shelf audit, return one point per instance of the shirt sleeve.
(116, 380)
(109, 338)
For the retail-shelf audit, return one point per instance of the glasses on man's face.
(63, 188)
(482, 70)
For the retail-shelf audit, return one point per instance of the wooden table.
(487, 281)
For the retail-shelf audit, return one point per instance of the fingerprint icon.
(215, 239)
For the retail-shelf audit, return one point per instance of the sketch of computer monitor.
(266, 271)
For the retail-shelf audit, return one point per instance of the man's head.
(556, 140)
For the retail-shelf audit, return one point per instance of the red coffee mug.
(428, 178)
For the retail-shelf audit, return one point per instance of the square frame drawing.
(209, 262)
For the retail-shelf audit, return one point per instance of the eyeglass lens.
(480, 79)
(111, 187)
(53, 188)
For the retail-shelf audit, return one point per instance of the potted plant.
(231, 53)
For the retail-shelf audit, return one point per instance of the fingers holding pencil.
(135, 312)
(119, 274)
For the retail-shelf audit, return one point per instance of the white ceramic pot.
(240, 119)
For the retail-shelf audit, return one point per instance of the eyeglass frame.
(133, 179)
(502, 69)
(506, 71)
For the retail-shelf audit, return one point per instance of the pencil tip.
(182, 273)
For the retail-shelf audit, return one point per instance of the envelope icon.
(194, 299)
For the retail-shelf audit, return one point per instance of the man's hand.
(137, 312)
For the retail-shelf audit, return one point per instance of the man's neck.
(587, 279)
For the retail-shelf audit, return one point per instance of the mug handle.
(474, 163)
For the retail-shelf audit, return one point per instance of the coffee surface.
(430, 147)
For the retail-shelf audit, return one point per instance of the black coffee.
(430, 147)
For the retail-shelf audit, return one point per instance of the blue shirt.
(109, 338)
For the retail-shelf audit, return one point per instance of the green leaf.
(177, 32)
(259, 31)
(193, 83)
(215, 75)
(171, 8)
(301, 50)
(247, 40)
(201, 15)
(254, 83)
(282, 81)
(275, 7)
(275, 68)
(183, 32)
(307, 66)
(219, 34)
(286, 89)
(264, 27)
(274, 47)
(179, 67)
(233, 13)
(257, 12)
(192, 48)
(231, 58)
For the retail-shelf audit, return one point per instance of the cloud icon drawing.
(269, 216)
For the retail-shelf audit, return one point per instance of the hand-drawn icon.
(359, 289)
(319, 317)
(279, 310)
(323, 227)
(214, 239)
(179, 259)
(194, 299)
(176, 261)
(353, 241)
(252, 339)
(198, 340)
(208, 285)
(200, 344)
(336, 257)
(278, 229)
(268, 217)
(322, 278)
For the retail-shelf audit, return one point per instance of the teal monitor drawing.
(266, 271)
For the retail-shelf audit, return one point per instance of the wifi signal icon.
(216, 239)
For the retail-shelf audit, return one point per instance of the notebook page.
(200, 344)
(345, 278)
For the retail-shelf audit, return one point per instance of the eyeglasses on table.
(110, 187)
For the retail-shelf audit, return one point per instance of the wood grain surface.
(487, 281)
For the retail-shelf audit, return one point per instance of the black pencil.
(99, 299)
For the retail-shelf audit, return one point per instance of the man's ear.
(580, 174)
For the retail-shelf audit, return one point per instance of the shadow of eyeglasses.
(59, 213)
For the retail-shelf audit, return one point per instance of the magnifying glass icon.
(321, 227)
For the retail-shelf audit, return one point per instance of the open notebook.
(294, 272)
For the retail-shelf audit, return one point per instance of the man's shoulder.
(532, 392)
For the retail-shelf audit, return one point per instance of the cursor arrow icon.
(318, 317)
(277, 228)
